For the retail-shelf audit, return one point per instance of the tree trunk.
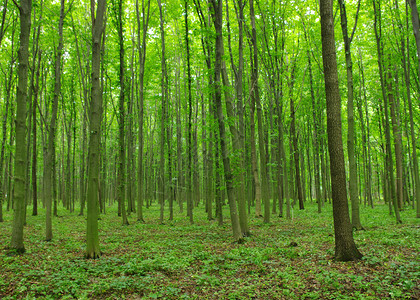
(256, 99)
(415, 21)
(389, 161)
(218, 21)
(345, 247)
(50, 159)
(121, 180)
(34, 143)
(140, 89)
(396, 130)
(20, 146)
(298, 183)
(92, 249)
(368, 186)
(189, 139)
(161, 181)
(8, 84)
(315, 139)
(353, 188)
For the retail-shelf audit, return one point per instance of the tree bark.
(345, 247)
(161, 181)
(415, 21)
(121, 179)
(190, 203)
(140, 89)
(298, 183)
(34, 142)
(353, 187)
(218, 21)
(389, 162)
(8, 84)
(20, 146)
(397, 142)
(50, 159)
(92, 249)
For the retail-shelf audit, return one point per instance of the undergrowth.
(287, 259)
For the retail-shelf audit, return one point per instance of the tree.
(140, 89)
(164, 93)
(50, 159)
(17, 245)
(389, 168)
(353, 186)
(416, 29)
(119, 17)
(190, 203)
(345, 247)
(256, 98)
(92, 238)
(218, 21)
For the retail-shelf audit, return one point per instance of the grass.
(182, 261)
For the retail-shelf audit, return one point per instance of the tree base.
(92, 255)
(15, 251)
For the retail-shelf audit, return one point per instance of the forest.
(218, 149)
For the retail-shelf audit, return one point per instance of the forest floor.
(287, 259)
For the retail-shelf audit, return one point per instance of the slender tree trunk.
(416, 28)
(4, 127)
(50, 159)
(345, 247)
(295, 139)
(8, 84)
(397, 142)
(389, 161)
(180, 181)
(119, 14)
(255, 94)
(315, 139)
(34, 142)
(189, 139)
(140, 89)
(130, 136)
(218, 21)
(368, 186)
(353, 188)
(415, 21)
(161, 181)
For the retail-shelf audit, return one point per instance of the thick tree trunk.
(92, 249)
(345, 247)
(20, 146)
